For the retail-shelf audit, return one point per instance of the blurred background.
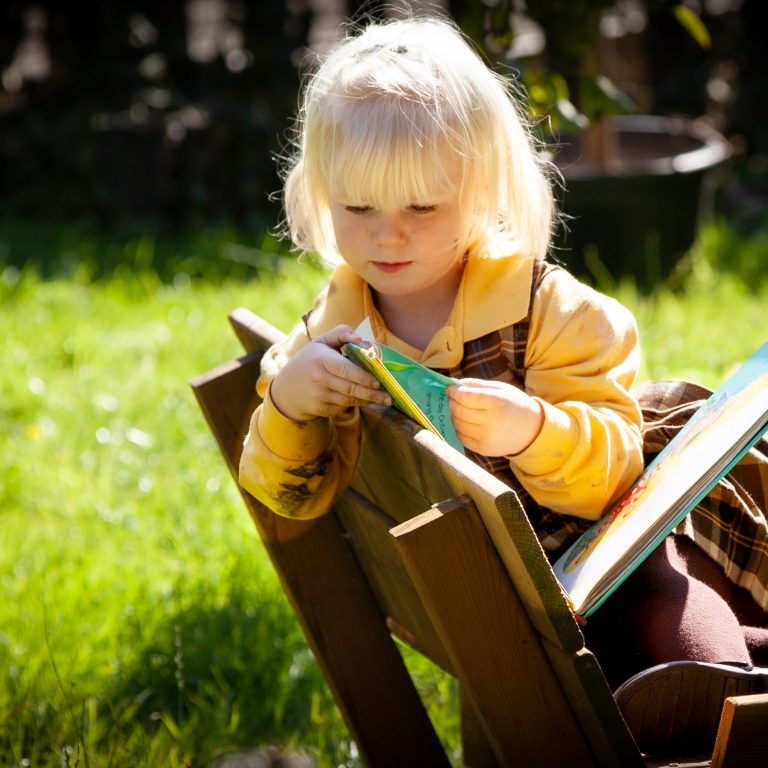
(168, 114)
(142, 623)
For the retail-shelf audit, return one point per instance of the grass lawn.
(142, 624)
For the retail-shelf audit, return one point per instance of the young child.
(417, 178)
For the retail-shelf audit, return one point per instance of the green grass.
(703, 328)
(142, 624)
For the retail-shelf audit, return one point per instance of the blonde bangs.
(389, 155)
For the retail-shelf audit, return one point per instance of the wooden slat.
(366, 528)
(412, 489)
(477, 752)
(740, 739)
(430, 471)
(594, 706)
(337, 610)
(494, 650)
(253, 332)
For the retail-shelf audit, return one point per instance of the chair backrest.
(427, 546)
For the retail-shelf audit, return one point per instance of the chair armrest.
(254, 333)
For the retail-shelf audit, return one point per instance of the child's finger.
(465, 424)
(472, 398)
(339, 336)
(470, 383)
(359, 392)
(341, 368)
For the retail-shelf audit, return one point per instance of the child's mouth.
(391, 266)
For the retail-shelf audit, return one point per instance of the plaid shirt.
(729, 524)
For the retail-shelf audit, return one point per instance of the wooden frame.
(440, 554)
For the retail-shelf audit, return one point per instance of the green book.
(721, 431)
(416, 390)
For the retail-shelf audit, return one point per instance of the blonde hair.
(403, 112)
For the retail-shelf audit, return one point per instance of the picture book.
(416, 390)
(727, 425)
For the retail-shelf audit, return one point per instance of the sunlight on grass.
(704, 329)
(142, 623)
(136, 593)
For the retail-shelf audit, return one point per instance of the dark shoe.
(674, 709)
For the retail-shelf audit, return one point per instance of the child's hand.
(492, 418)
(319, 381)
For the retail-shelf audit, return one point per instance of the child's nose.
(389, 231)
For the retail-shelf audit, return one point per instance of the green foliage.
(692, 22)
(710, 314)
(566, 80)
(142, 623)
(571, 32)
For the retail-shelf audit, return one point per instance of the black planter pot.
(642, 216)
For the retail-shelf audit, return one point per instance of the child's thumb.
(337, 337)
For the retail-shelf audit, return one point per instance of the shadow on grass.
(219, 678)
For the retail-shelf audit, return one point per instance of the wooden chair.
(428, 547)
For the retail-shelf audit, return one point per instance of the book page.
(708, 445)
(417, 391)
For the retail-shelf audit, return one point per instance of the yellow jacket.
(581, 363)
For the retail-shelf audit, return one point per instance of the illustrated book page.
(704, 450)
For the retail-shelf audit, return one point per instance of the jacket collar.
(493, 293)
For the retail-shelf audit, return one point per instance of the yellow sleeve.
(297, 469)
(581, 364)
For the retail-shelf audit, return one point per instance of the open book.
(417, 391)
(712, 441)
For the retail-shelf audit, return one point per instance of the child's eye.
(357, 208)
(423, 208)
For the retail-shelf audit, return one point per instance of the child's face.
(411, 252)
